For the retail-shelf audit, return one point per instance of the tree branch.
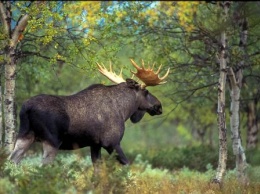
(3, 17)
(231, 76)
(28, 53)
(22, 23)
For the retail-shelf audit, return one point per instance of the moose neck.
(125, 99)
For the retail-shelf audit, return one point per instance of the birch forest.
(207, 138)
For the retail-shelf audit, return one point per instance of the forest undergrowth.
(73, 173)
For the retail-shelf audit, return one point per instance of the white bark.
(4, 17)
(235, 86)
(221, 102)
(10, 70)
(221, 114)
(234, 110)
(238, 149)
(4, 20)
(1, 116)
(9, 109)
(18, 30)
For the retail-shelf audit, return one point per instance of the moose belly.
(72, 142)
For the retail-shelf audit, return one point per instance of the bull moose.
(93, 117)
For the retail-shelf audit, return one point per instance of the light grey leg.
(21, 146)
(49, 153)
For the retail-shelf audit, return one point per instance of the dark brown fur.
(93, 117)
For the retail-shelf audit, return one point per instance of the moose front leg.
(95, 156)
(120, 155)
(95, 153)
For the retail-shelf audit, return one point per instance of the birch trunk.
(9, 100)
(238, 149)
(6, 29)
(1, 115)
(252, 128)
(10, 70)
(221, 104)
(221, 116)
(235, 86)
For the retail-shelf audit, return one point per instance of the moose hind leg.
(21, 146)
(49, 153)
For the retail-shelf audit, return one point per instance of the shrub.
(71, 173)
(196, 158)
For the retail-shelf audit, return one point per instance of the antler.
(110, 74)
(148, 76)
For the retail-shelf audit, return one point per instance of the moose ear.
(132, 84)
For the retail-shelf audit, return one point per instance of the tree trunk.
(235, 86)
(222, 120)
(221, 103)
(1, 115)
(5, 30)
(238, 149)
(9, 100)
(10, 70)
(252, 128)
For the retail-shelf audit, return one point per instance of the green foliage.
(155, 32)
(6, 186)
(198, 158)
(253, 156)
(73, 173)
(63, 63)
(29, 177)
(184, 132)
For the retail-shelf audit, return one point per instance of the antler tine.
(149, 66)
(157, 72)
(110, 66)
(110, 74)
(143, 64)
(100, 68)
(153, 66)
(135, 65)
(166, 74)
(148, 76)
